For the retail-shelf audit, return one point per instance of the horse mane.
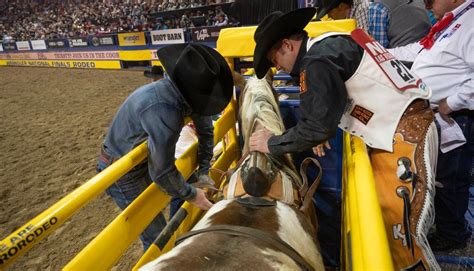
(258, 104)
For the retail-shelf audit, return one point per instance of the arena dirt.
(53, 122)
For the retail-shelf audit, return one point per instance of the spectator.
(396, 23)
(221, 20)
(346, 9)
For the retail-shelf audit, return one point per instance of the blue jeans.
(455, 172)
(127, 189)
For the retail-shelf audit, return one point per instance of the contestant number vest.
(379, 92)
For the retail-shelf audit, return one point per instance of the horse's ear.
(269, 76)
(239, 80)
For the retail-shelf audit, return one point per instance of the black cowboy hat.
(201, 74)
(156, 72)
(274, 27)
(326, 6)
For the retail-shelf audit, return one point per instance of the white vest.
(379, 92)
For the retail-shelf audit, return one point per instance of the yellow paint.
(135, 55)
(365, 244)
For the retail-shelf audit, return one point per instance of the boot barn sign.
(171, 36)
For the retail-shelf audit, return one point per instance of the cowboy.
(156, 73)
(155, 112)
(351, 81)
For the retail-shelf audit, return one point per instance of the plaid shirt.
(359, 11)
(379, 18)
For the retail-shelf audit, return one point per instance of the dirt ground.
(53, 122)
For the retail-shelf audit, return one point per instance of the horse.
(262, 223)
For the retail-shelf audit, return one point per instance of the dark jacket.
(322, 72)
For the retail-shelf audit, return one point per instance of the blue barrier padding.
(290, 103)
(287, 89)
(286, 77)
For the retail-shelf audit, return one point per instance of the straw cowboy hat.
(274, 27)
(201, 75)
(156, 72)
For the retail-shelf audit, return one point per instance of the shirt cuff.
(455, 103)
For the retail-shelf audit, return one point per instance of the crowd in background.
(51, 19)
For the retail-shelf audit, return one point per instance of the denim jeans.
(455, 172)
(127, 189)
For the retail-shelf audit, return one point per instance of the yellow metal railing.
(365, 244)
(107, 248)
(27, 236)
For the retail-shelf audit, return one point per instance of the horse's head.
(259, 109)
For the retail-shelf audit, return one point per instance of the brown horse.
(259, 225)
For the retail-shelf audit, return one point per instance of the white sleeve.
(464, 95)
(407, 52)
(463, 98)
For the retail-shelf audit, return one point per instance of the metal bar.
(362, 212)
(27, 236)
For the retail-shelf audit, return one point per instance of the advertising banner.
(23, 46)
(89, 55)
(207, 33)
(38, 44)
(170, 36)
(103, 41)
(78, 42)
(56, 43)
(91, 64)
(9, 46)
(132, 39)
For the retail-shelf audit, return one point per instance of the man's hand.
(444, 111)
(319, 150)
(201, 200)
(259, 141)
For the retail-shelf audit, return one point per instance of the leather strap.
(257, 234)
(308, 194)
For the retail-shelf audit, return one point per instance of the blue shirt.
(155, 112)
(379, 19)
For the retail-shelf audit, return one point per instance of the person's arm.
(163, 124)
(321, 108)
(205, 132)
(379, 18)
